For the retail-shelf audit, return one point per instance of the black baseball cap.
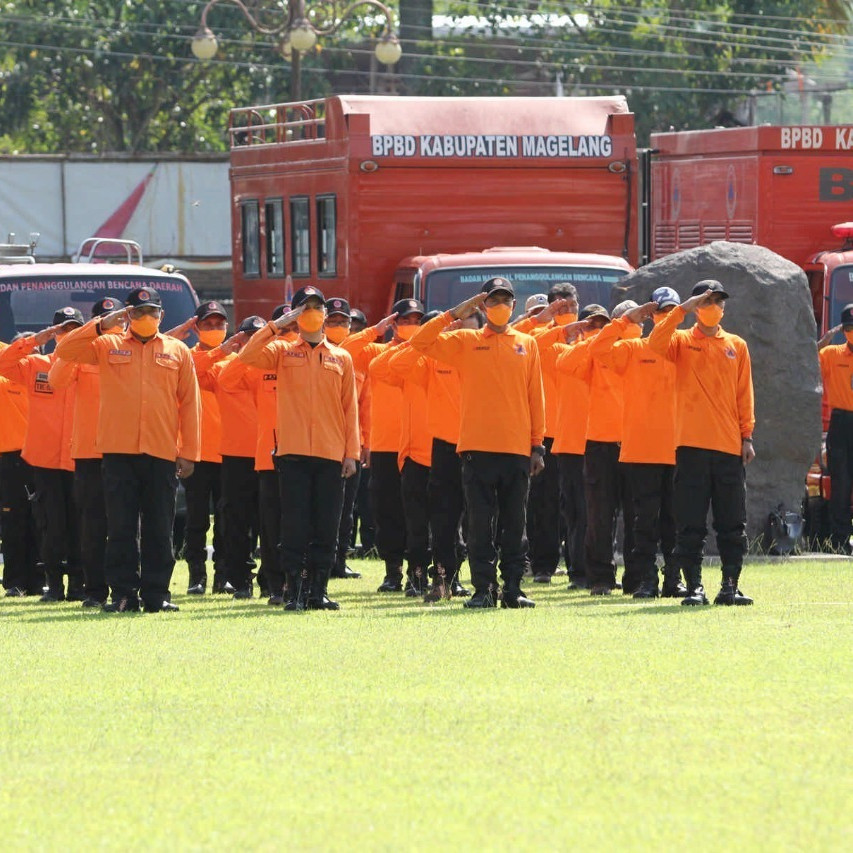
(336, 305)
(847, 315)
(210, 309)
(709, 285)
(143, 296)
(593, 310)
(430, 315)
(357, 316)
(496, 284)
(279, 310)
(251, 324)
(104, 306)
(405, 307)
(303, 294)
(68, 315)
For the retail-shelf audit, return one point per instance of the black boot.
(672, 585)
(393, 581)
(198, 579)
(729, 594)
(297, 589)
(513, 598)
(440, 587)
(416, 583)
(55, 589)
(482, 598)
(695, 591)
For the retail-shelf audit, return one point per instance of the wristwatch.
(538, 448)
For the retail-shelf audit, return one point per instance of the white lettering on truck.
(490, 145)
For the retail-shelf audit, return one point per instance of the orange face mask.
(498, 315)
(565, 319)
(710, 315)
(849, 336)
(591, 333)
(336, 334)
(406, 333)
(633, 330)
(659, 316)
(146, 326)
(212, 337)
(311, 320)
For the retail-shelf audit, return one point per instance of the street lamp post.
(297, 27)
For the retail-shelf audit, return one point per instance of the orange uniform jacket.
(604, 421)
(713, 380)
(572, 394)
(87, 403)
(502, 402)
(648, 419)
(317, 410)
(211, 419)
(549, 382)
(51, 412)
(237, 376)
(149, 393)
(836, 371)
(14, 409)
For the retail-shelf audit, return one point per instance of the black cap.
(847, 315)
(430, 315)
(404, 307)
(593, 310)
(709, 285)
(68, 315)
(143, 296)
(104, 306)
(251, 324)
(357, 316)
(498, 284)
(210, 309)
(304, 293)
(336, 305)
(279, 310)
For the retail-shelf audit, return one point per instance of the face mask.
(710, 315)
(311, 320)
(212, 338)
(406, 333)
(565, 319)
(59, 336)
(499, 315)
(849, 336)
(336, 334)
(145, 326)
(633, 330)
(659, 317)
(590, 334)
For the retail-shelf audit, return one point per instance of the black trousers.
(56, 516)
(386, 501)
(496, 487)
(414, 484)
(706, 478)
(271, 574)
(238, 516)
(607, 491)
(573, 508)
(19, 544)
(92, 517)
(839, 458)
(363, 526)
(446, 502)
(204, 492)
(350, 487)
(311, 498)
(543, 517)
(653, 520)
(139, 491)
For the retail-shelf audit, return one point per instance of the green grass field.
(585, 723)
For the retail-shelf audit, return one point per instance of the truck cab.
(830, 275)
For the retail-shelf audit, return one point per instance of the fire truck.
(376, 198)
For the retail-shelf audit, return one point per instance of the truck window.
(250, 225)
(274, 213)
(840, 294)
(327, 235)
(300, 235)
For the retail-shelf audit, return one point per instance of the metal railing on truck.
(276, 124)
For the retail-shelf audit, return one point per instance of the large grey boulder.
(770, 307)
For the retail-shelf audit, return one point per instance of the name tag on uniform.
(165, 359)
(42, 386)
(124, 352)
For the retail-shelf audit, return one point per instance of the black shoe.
(275, 600)
(15, 592)
(542, 577)
(324, 603)
(92, 602)
(390, 585)
(676, 590)
(459, 591)
(244, 593)
(578, 583)
(295, 605)
(123, 605)
(52, 596)
(346, 572)
(695, 597)
(480, 600)
(439, 591)
(646, 590)
(413, 590)
(75, 594)
(220, 586)
(600, 589)
(162, 607)
(196, 589)
(730, 596)
(514, 599)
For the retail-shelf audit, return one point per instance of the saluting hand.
(468, 307)
(288, 317)
(235, 343)
(348, 468)
(572, 330)
(183, 331)
(546, 315)
(641, 312)
(108, 321)
(830, 334)
(698, 301)
(45, 335)
(384, 324)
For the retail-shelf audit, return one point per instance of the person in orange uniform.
(502, 424)
(238, 509)
(605, 481)
(21, 575)
(337, 329)
(318, 443)
(386, 403)
(148, 431)
(836, 370)
(47, 448)
(648, 439)
(88, 480)
(715, 417)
